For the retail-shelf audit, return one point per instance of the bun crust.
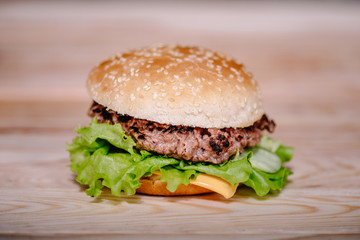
(156, 187)
(176, 85)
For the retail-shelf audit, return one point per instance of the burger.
(176, 120)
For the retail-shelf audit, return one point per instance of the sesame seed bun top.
(176, 85)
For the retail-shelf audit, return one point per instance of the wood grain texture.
(308, 68)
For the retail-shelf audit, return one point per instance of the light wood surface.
(306, 57)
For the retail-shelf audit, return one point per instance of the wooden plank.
(54, 211)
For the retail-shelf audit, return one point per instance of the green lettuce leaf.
(285, 153)
(174, 177)
(263, 182)
(269, 144)
(265, 160)
(103, 156)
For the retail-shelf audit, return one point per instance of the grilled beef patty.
(183, 142)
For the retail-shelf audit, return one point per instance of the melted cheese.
(213, 183)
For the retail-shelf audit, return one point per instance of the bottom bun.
(156, 187)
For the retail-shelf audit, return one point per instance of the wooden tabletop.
(305, 56)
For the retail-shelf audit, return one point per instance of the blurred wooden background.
(305, 55)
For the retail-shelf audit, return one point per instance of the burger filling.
(116, 151)
(183, 142)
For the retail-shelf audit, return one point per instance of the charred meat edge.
(196, 144)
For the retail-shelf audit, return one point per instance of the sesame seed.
(187, 111)
(210, 65)
(132, 97)
(160, 69)
(224, 64)
(240, 79)
(209, 54)
(237, 62)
